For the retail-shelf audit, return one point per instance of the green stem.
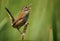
(54, 28)
(54, 21)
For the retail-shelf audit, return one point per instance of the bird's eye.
(25, 7)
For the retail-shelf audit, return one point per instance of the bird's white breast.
(26, 12)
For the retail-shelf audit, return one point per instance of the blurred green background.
(44, 20)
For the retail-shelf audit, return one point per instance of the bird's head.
(26, 9)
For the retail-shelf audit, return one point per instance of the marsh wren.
(21, 19)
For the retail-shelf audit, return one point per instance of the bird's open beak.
(30, 8)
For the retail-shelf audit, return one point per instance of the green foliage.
(44, 15)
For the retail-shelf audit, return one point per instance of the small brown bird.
(21, 19)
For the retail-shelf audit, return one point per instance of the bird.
(21, 19)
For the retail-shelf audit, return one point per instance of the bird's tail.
(10, 15)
